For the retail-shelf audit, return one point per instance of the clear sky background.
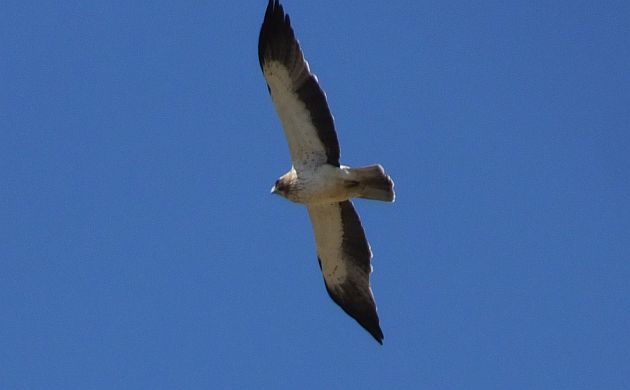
(140, 247)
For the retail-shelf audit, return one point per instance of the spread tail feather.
(373, 183)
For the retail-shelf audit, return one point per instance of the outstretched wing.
(344, 257)
(300, 102)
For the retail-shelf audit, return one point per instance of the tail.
(373, 183)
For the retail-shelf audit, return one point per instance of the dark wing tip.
(358, 306)
(276, 35)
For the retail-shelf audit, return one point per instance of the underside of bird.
(327, 183)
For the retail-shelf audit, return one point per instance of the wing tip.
(379, 337)
(275, 31)
(362, 310)
(375, 331)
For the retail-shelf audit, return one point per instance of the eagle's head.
(279, 188)
(285, 185)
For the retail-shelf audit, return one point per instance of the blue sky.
(140, 247)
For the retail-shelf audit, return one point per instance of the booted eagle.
(316, 179)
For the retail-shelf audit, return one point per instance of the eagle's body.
(317, 179)
(319, 184)
(312, 185)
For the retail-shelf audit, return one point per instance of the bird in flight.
(316, 178)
